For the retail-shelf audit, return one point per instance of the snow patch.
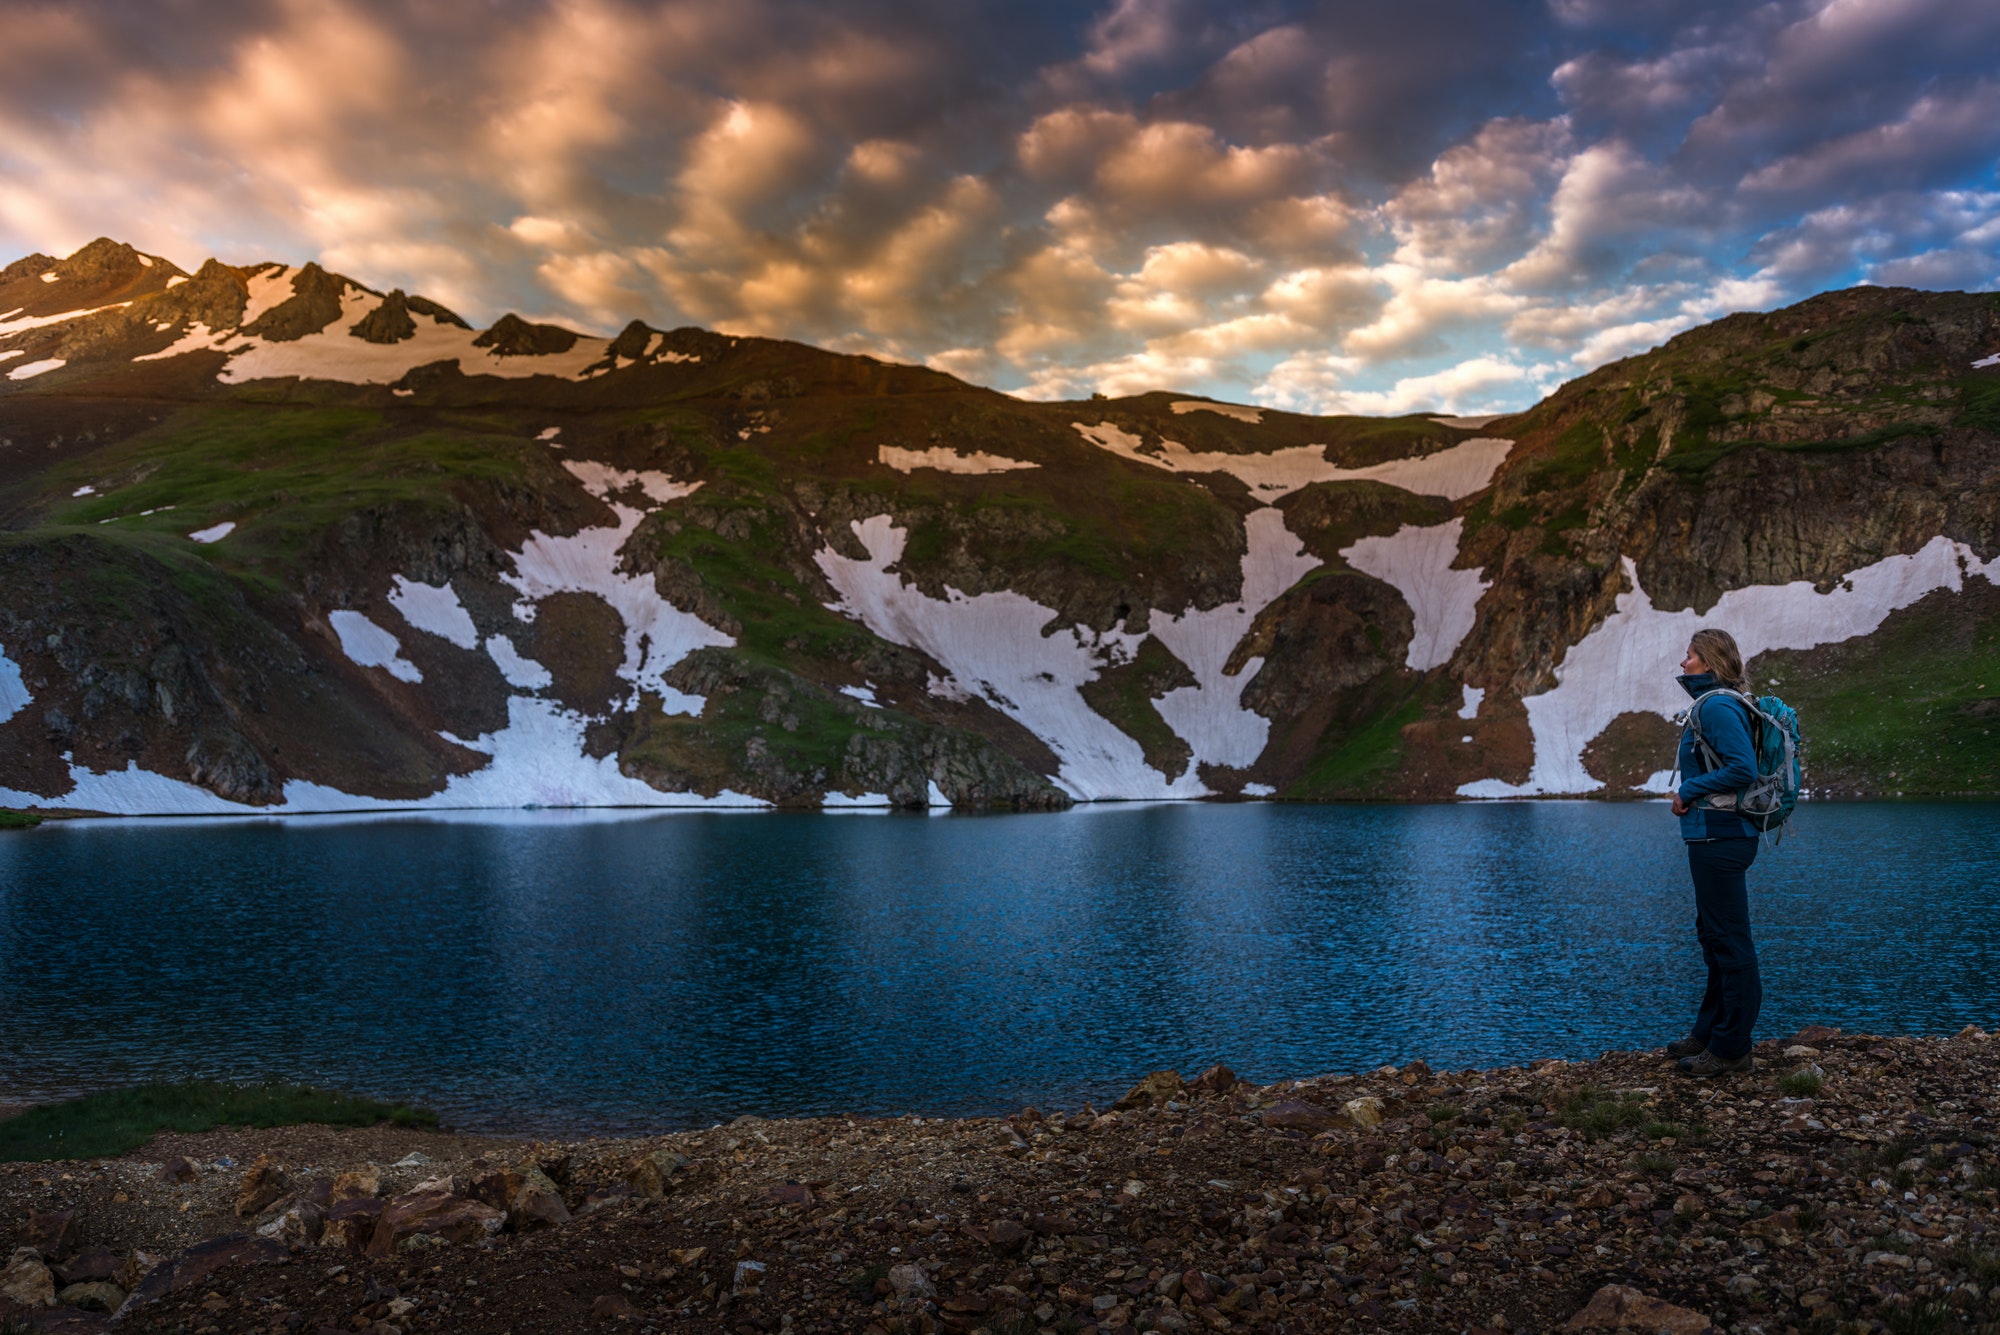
(1258, 790)
(198, 338)
(14, 696)
(51, 277)
(947, 460)
(29, 370)
(1627, 664)
(937, 797)
(1209, 716)
(13, 352)
(538, 761)
(604, 481)
(549, 433)
(1465, 423)
(434, 608)
(1242, 412)
(214, 533)
(1452, 473)
(370, 646)
(85, 490)
(273, 287)
(865, 694)
(521, 672)
(1473, 696)
(1417, 561)
(998, 646)
(146, 260)
(842, 802)
(1984, 362)
(177, 280)
(657, 634)
(35, 322)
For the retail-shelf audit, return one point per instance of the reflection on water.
(622, 970)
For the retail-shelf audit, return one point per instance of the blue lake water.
(617, 971)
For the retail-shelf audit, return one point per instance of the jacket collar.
(1696, 683)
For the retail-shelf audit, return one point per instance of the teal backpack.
(1774, 734)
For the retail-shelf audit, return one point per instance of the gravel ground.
(1580, 1195)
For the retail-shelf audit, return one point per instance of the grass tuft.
(1597, 1113)
(1802, 1083)
(118, 1121)
(19, 820)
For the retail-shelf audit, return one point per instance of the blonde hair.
(1717, 649)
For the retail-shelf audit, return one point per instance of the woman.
(1721, 845)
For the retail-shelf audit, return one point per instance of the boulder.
(1298, 1115)
(97, 1295)
(1217, 1079)
(354, 1185)
(1006, 1237)
(911, 1283)
(298, 1225)
(27, 1281)
(432, 1213)
(1365, 1112)
(1154, 1090)
(53, 1233)
(262, 1185)
(537, 1203)
(1619, 1307)
(749, 1277)
(198, 1262)
(90, 1263)
(613, 1307)
(350, 1224)
(179, 1169)
(497, 1187)
(651, 1175)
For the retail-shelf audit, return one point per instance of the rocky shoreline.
(1849, 1185)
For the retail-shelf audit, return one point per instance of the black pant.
(1722, 924)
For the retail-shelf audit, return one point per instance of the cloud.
(1441, 203)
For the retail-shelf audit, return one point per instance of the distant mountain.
(271, 539)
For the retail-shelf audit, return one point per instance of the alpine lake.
(630, 971)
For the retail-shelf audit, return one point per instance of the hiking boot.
(1686, 1047)
(1708, 1065)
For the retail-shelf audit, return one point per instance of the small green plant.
(1444, 1112)
(1512, 1122)
(1653, 1164)
(1902, 1179)
(118, 1121)
(1895, 1151)
(1662, 1130)
(1981, 1267)
(1810, 1218)
(1986, 1177)
(1932, 1317)
(862, 1282)
(1597, 1114)
(1802, 1083)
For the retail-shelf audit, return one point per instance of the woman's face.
(1692, 664)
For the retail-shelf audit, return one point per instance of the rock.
(178, 1169)
(432, 1213)
(1815, 1033)
(27, 1281)
(537, 1204)
(910, 1282)
(95, 1295)
(686, 1256)
(1217, 1079)
(136, 1267)
(53, 1233)
(1365, 1112)
(90, 1263)
(1196, 1286)
(749, 1275)
(1801, 1050)
(613, 1307)
(350, 1224)
(299, 1225)
(414, 1159)
(1154, 1090)
(1599, 1197)
(1619, 1307)
(352, 1186)
(791, 1193)
(497, 1187)
(262, 1185)
(651, 1175)
(1006, 1237)
(1298, 1115)
(203, 1259)
(618, 1193)
(355, 1186)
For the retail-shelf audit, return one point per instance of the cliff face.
(270, 539)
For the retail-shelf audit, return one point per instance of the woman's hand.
(1680, 808)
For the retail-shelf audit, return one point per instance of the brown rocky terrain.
(1848, 1186)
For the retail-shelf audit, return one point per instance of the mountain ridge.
(274, 539)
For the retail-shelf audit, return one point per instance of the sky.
(1430, 205)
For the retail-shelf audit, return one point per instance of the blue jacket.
(1725, 723)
